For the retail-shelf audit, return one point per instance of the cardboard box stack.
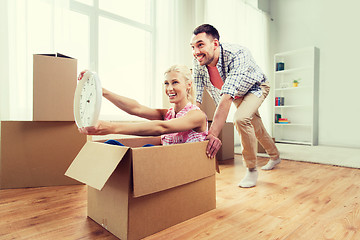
(37, 153)
(133, 191)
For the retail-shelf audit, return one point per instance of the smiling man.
(230, 74)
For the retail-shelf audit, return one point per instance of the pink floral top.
(182, 137)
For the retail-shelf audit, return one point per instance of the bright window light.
(79, 35)
(138, 10)
(120, 48)
(87, 2)
(123, 62)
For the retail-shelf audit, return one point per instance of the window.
(113, 38)
(121, 46)
(138, 10)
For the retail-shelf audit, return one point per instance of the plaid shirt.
(237, 69)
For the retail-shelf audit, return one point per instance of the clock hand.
(88, 100)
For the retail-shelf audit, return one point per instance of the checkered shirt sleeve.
(244, 75)
(198, 76)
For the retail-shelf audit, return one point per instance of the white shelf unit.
(301, 102)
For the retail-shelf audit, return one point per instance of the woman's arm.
(194, 119)
(132, 107)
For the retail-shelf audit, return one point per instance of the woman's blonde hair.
(186, 73)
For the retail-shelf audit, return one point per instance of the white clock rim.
(97, 102)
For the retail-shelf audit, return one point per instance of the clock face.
(87, 101)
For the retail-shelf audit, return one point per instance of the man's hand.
(213, 145)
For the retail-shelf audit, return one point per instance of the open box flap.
(95, 163)
(159, 168)
(53, 55)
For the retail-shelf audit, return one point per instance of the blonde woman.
(182, 123)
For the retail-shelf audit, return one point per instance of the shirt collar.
(221, 57)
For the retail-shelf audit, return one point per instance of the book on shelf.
(279, 101)
(277, 117)
(283, 121)
(282, 101)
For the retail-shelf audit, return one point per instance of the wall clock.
(87, 99)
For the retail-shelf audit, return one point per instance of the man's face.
(203, 47)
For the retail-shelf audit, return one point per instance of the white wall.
(175, 23)
(4, 90)
(332, 26)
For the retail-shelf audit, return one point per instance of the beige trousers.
(251, 129)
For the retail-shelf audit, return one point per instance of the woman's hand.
(100, 128)
(81, 75)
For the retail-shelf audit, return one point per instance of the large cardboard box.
(36, 154)
(227, 138)
(54, 84)
(136, 191)
(208, 106)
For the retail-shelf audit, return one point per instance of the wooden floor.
(296, 200)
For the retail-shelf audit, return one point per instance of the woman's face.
(176, 87)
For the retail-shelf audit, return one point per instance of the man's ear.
(216, 43)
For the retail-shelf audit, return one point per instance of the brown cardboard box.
(208, 106)
(54, 84)
(227, 138)
(35, 154)
(137, 191)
